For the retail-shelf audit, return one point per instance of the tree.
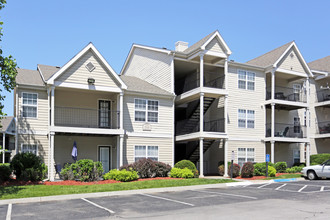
(7, 69)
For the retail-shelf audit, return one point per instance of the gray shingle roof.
(5, 122)
(29, 77)
(138, 85)
(198, 44)
(270, 57)
(47, 71)
(322, 64)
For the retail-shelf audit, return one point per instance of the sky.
(52, 32)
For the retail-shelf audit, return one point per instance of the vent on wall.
(90, 67)
(292, 55)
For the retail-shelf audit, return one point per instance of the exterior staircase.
(194, 156)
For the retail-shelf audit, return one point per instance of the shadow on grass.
(9, 190)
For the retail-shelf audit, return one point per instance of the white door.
(104, 157)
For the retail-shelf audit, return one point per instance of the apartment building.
(7, 138)
(189, 103)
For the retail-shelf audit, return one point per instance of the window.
(245, 118)
(245, 155)
(296, 156)
(29, 104)
(30, 148)
(146, 152)
(246, 79)
(146, 110)
(296, 125)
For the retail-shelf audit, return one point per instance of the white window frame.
(146, 155)
(246, 119)
(246, 80)
(29, 144)
(147, 110)
(246, 154)
(33, 93)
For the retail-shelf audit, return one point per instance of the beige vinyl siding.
(246, 99)
(153, 67)
(40, 140)
(165, 116)
(292, 63)
(259, 149)
(165, 148)
(78, 72)
(34, 124)
(215, 46)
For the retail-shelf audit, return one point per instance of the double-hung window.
(30, 104)
(245, 155)
(142, 151)
(246, 79)
(245, 118)
(30, 148)
(146, 110)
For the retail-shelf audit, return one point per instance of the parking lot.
(296, 200)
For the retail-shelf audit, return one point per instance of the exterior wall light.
(91, 81)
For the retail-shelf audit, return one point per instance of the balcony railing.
(86, 118)
(323, 95)
(323, 127)
(287, 130)
(288, 94)
(188, 126)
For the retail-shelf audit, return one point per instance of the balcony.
(323, 95)
(323, 127)
(86, 118)
(287, 130)
(190, 126)
(287, 94)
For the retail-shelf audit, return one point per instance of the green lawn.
(285, 176)
(13, 192)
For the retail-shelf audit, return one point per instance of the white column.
(121, 113)
(201, 157)
(118, 151)
(52, 107)
(273, 84)
(201, 112)
(307, 109)
(225, 151)
(201, 71)
(3, 147)
(273, 120)
(272, 151)
(308, 148)
(52, 159)
(226, 114)
(226, 73)
(121, 153)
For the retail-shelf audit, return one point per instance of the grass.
(285, 176)
(14, 192)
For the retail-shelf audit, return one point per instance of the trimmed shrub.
(121, 175)
(221, 169)
(280, 167)
(147, 168)
(295, 169)
(84, 170)
(247, 170)
(181, 173)
(271, 171)
(187, 164)
(28, 167)
(5, 172)
(260, 168)
(319, 158)
(236, 170)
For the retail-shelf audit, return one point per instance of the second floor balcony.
(323, 95)
(287, 94)
(323, 127)
(188, 126)
(287, 130)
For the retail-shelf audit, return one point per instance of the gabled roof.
(91, 47)
(199, 43)
(322, 64)
(270, 57)
(135, 84)
(5, 123)
(47, 71)
(29, 77)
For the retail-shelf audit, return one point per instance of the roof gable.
(6, 122)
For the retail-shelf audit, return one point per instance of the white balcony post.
(273, 120)
(226, 73)
(226, 157)
(307, 109)
(226, 114)
(121, 107)
(273, 85)
(52, 107)
(3, 147)
(201, 157)
(308, 154)
(272, 151)
(201, 71)
(52, 159)
(121, 147)
(201, 113)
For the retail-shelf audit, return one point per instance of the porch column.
(201, 112)
(226, 114)
(226, 73)
(308, 148)
(121, 113)
(225, 151)
(201, 157)
(273, 84)
(51, 167)
(121, 153)
(273, 121)
(272, 151)
(52, 106)
(201, 71)
(3, 147)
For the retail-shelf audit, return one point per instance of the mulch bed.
(259, 177)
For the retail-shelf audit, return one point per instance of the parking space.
(3, 211)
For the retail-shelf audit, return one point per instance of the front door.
(104, 114)
(104, 157)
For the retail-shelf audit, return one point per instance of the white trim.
(86, 130)
(246, 118)
(136, 93)
(87, 87)
(91, 47)
(42, 76)
(110, 154)
(291, 72)
(147, 111)
(146, 146)
(254, 154)
(149, 135)
(29, 144)
(34, 87)
(9, 125)
(246, 79)
(216, 54)
(245, 66)
(31, 132)
(244, 139)
(98, 111)
(22, 105)
(197, 62)
(221, 41)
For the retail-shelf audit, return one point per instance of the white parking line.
(302, 188)
(8, 217)
(101, 207)
(280, 186)
(171, 200)
(226, 194)
(322, 188)
(259, 187)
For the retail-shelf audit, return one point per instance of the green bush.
(187, 164)
(221, 169)
(271, 171)
(295, 169)
(5, 172)
(319, 158)
(280, 167)
(260, 168)
(28, 167)
(84, 170)
(121, 175)
(247, 170)
(236, 170)
(181, 173)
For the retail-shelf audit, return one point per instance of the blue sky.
(52, 32)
